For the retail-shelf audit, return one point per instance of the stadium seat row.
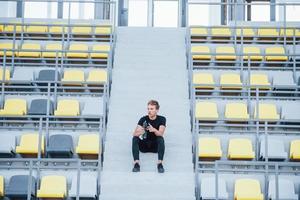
(35, 50)
(275, 53)
(247, 188)
(51, 186)
(59, 146)
(242, 149)
(70, 77)
(57, 28)
(18, 107)
(237, 111)
(246, 32)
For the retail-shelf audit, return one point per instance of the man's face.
(152, 111)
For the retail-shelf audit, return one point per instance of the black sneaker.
(136, 167)
(160, 168)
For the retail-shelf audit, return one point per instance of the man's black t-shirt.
(159, 120)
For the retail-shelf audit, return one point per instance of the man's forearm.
(158, 133)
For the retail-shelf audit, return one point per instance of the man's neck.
(152, 118)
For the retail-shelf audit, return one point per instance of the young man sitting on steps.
(148, 136)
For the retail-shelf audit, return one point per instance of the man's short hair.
(154, 103)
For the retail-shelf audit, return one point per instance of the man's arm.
(139, 130)
(159, 132)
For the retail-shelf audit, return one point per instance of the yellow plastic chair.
(100, 47)
(209, 148)
(221, 50)
(240, 149)
(221, 32)
(267, 33)
(97, 76)
(17, 107)
(295, 150)
(199, 32)
(236, 112)
(73, 77)
(267, 112)
(52, 48)
(37, 29)
(206, 111)
(230, 79)
(67, 107)
(29, 144)
(8, 47)
(103, 30)
(88, 146)
(247, 32)
(203, 78)
(78, 47)
(252, 53)
(6, 74)
(279, 51)
(35, 50)
(260, 80)
(53, 187)
(2, 186)
(289, 32)
(16, 26)
(59, 28)
(247, 189)
(203, 52)
(82, 30)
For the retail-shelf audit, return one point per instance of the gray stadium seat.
(275, 149)
(39, 107)
(47, 75)
(88, 186)
(18, 187)
(208, 189)
(286, 189)
(7, 146)
(288, 110)
(22, 75)
(60, 146)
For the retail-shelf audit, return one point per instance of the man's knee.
(135, 139)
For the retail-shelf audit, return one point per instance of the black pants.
(155, 146)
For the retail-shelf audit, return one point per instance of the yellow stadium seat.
(52, 47)
(105, 30)
(295, 150)
(1, 28)
(100, 47)
(88, 146)
(289, 32)
(16, 107)
(97, 76)
(220, 51)
(247, 189)
(203, 78)
(220, 32)
(29, 144)
(267, 32)
(210, 148)
(7, 47)
(53, 187)
(279, 51)
(85, 30)
(206, 111)
(6, 74)
(78, 47)
(266, 112)
(2, 186)
(236, 112)
(67, 107)
(240, 149)
(230, 79)
(58, 28)
(252, 53)
(11, 28)
(247, 32)
(73, 77)
(37, 28)
(199, 31)
(35, 50)
(260, 80)
(203, 52)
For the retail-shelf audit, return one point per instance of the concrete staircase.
(150, 63)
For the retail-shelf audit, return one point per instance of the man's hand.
(139, 130)
(159, 132)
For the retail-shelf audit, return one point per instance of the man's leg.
(137, 146)
(160, 148)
